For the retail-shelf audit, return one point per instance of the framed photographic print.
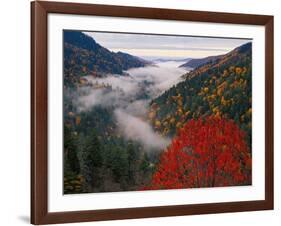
(145, 112)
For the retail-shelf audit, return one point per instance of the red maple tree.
(208, 152)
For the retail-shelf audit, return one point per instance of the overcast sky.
(161, 46)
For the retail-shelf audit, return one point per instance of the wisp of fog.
(133, 128)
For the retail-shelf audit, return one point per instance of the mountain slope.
(194, 63)
(222, 87)
(84, 56)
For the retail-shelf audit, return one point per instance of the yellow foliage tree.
(172, 120)
(238, 70)
(157, 124)
(78, 120)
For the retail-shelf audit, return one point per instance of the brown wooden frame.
(39, 107)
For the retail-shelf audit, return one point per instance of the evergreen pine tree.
(71, 162)
(132, 161)
(92, 161)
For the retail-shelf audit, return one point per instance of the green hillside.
(222, 87)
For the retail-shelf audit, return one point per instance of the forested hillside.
(84, 56)
(221, 87)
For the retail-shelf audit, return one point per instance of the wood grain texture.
(39, 109)
(39, 117)
(269, 112)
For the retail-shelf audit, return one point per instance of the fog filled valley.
(129, 97)
(122, 112)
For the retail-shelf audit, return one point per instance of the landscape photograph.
(153, 111)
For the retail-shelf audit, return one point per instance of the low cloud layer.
(128, 84)
(161, 77)
(150, 81)
(133, 128)
(94, 98)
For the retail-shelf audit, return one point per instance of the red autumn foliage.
(209, 152)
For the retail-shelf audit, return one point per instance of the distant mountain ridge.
(171, 59)
(194, 63)
(84, 56)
